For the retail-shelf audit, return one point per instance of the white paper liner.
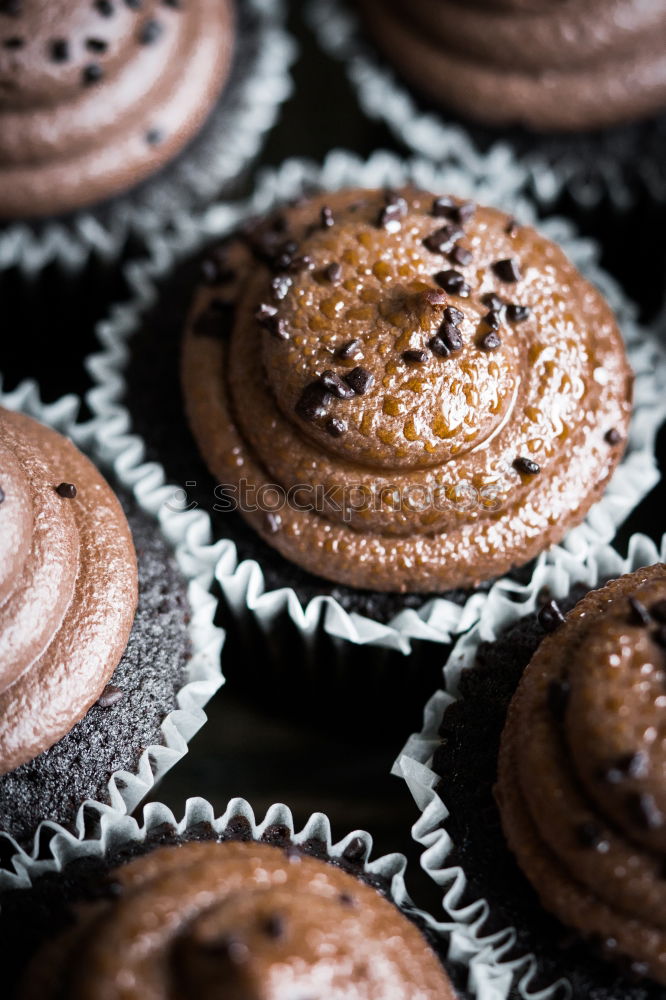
(385, 97)
(506, 604)
(243, 583)
(203, 675)
(246, 111)
(116, 830)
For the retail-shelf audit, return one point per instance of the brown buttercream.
(550, 66)
(455, 435)
(68, 587)
(241, 921)
(95, 96)
(582, 772)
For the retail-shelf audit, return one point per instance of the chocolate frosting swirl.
(96, 96)
(437, 383)
(582, 774)
(68, 587)
(240, 921)
(565, 65)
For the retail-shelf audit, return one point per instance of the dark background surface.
(341, 769)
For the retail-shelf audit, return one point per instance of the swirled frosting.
(68, 587)
(417, 394)
(582, 772)
(95, 95)
(550, 66)
(240, 920)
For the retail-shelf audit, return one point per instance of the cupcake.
(95, 97)
(222, 906)
(405, 392)
(544, 757)
(95, 638)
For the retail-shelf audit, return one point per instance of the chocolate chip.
(326, 217)
(415, 356)
(490, 342)
(96, 45)
(446, 207)
(644, 811)
(492, 301)
(333, 273)
(526, 466)
(111, 695)
(590, 835)
(274, 926)
(451, 336)
(443, 240)
(150, 32)
(453, 282)
(154, 136)
(332, 382)
(267, 317)
(313, 402)
(658, 611)
(558, 695)
(638, 613)
(280, 286)
(453, 315)
(336, 427)
(462, 256)
(516, 313)
(492, 319)
(355, 851)
(346, 899)
(391, 215)
(104, 7)
(512, 227)
(443, 207)
(66, 490)
(59, 50)
(550, 616)
(613, 436)
(352, 350)
(272, 522)
(360, 380)
(92, 73)
(14, 42)
(2, 495)
(507, 270)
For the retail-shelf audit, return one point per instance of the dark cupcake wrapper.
(213, 162)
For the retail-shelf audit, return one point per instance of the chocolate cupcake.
(416, 393)
(222, 905)
(545, 766)
(96, 648)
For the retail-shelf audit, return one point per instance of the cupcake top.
(417, 392)
(240, 920)
(582, 775)
(96, 94)
(68, 587)
(560, 66)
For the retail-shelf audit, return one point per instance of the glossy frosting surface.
(95, 96)
(582, 775)
(242, 921)
(425, 466)
(564, 65)
(68, 587)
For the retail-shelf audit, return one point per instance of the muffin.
(209, 911)
(404, 392)
(95, 98)
(550, 67)
(94, 615)
(546, 766)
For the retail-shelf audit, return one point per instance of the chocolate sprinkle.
(327, 218)
(526, 466)
(313, 402)
(150, 32)
(360, 380)
(59, 50)
(333, 273)
(415, 356)
(66, 490)
(451, 336)
(110, 696)
(13, 43)
(516, 313)
(352, 350)
(507, 270)
(2, 495)
(462, 256)
(96, 45)
(267, 317)
(558, 697)
(492, 319)
(512, 227)
(490, 342)
(355, 851)
(443, 240)
(493, 301)
(644, 811)
(154, 136)
(638, 613)
(92, 73)
(336, 427)
(332, 382)
(453, 282)
(550, 616)
(613, 436)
